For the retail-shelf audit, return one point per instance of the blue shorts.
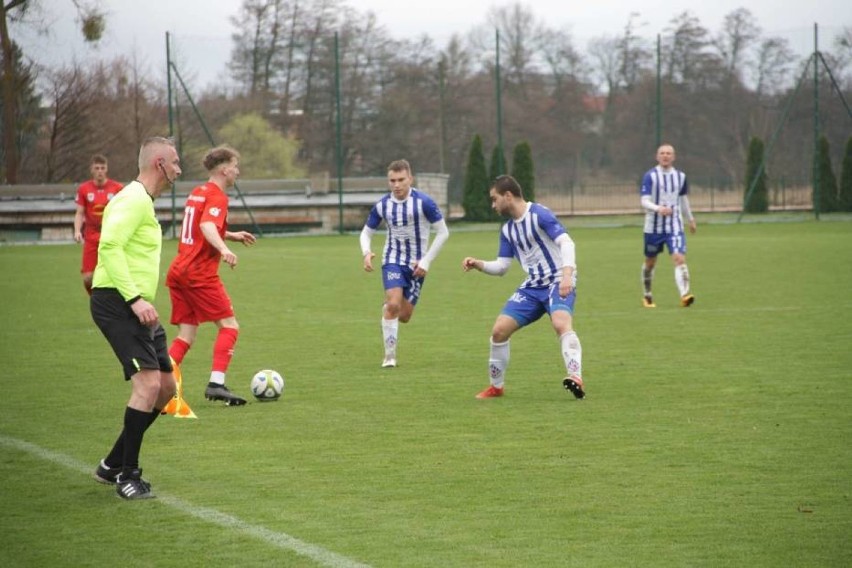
(654, 243)
(399, 276)
(527, 305)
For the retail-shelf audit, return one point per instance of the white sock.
(390, 333)
(498, 360)
(572, 354)
(217, 377)
(647, 278)
(682, 279)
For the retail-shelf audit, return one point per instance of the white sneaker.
(389, 362)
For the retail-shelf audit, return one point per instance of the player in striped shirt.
(664, 199)
(538, 240)
(409, 216)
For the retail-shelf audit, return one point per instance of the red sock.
(223, 349)
(178, 350)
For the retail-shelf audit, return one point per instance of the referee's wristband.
(133, 300)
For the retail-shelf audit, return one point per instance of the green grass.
(714, 436)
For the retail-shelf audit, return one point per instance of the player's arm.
(211, 235)
(687, 211)
(244, 237)
(442, 233)
(569, 264)
(497, 267)
(366, 238)
(649, 205)
(79, 217)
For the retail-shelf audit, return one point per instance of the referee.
(123, 288)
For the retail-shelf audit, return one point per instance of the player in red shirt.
(196, 290)
(92, 197)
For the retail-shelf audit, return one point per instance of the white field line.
(281, 540)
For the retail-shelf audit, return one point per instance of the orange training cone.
(177, 406)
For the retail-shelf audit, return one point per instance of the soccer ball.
(267, 385)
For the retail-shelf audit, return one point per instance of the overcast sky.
(202, 28)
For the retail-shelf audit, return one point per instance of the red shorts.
(90, 255)
(198, 304)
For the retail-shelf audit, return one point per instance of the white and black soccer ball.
(267, 385)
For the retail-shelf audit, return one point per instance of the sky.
(202, 29)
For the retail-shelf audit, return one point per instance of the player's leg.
(185, 318)
(395, 280)
(561, 316)
(521, 309)
(677, 247)
(90, 261)
(652, 247)
(498, 355)
(183, 342)
(410, 295)
(223, 348)
(391, 310)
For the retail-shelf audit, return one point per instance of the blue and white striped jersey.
(664, 189)
(408, 223)
(530, 239)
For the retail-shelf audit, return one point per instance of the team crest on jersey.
(90, 197)
(215, 211)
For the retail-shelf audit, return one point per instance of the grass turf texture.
(717, 435)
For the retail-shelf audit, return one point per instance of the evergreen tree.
(758, 201)
(845, 197)
(825, 200)
(475, 199)
(498, 164)
(523, 170)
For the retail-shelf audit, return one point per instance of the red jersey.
(197, 261)
(94, 199)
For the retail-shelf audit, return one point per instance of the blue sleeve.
(374, 219)
(506, 250)
(431, 210)
(548, 221)
(684, 189)
(645, 188)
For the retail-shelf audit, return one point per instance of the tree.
(523, 170)
(825, 184)
(29, 113)
(264, 152)
(475, 199)
(497, 166)
(758, 200)
(92, 21)
(772, 65)
(739, 32)
(845, 197)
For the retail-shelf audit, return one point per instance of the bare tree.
(739, 32)
(92, 23)
(772, 65)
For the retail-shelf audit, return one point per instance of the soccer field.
(718, 435)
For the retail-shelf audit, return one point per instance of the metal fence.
(708, 197)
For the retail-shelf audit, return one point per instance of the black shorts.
(137, 346)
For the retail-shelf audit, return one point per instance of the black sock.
(135, 424)
(116, 455)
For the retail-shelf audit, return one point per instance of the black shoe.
(221, 392)
(106, 474)
(132, 486)
(574, 385)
